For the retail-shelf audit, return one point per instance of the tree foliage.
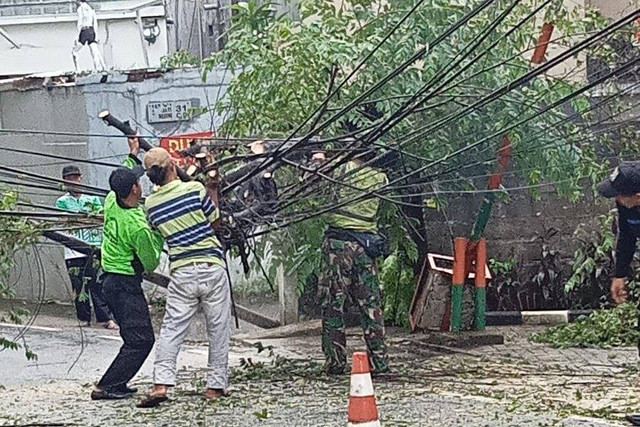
(15, 234)
(180, 59)
(285, 67)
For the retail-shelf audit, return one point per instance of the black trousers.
(129, 306)
(86, 283)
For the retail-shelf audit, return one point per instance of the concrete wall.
(129, 100)
(45, 44)
(62, 110)
(74, 108)
(615, 9)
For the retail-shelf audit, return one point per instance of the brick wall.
(517, 229)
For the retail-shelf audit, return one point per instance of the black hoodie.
(628, 233)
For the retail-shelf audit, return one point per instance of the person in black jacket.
(624, 185)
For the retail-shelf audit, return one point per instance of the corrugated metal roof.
(66, 78)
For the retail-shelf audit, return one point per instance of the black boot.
(109, 395)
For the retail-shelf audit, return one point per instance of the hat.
(623, 181)
(157, 157)
(70, 170)
(123, 179)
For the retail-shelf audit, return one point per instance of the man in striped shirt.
(183, 213)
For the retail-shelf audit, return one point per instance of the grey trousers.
(192, 287)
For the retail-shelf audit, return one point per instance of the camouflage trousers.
(84, 274)
(351, 274)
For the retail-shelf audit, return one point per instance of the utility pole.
(200, 23)
(176, 23)
(141, 31)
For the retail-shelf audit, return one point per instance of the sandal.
(213, 394)
(151, 401)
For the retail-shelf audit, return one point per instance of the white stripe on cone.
(361, 385)
(367, 424)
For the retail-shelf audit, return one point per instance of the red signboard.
(176, 143)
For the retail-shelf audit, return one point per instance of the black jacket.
(628, 233)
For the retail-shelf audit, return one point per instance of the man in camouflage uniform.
(350, 247)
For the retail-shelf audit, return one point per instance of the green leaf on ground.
(601, 329)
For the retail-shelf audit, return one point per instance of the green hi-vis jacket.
(85, 204)
(358, 216)
(128, 237)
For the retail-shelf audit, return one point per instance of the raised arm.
(132, 159)
(209, 208)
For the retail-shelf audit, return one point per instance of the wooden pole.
(473, 247)
(457, 283)
(480, 286)
(540, 52)
(504, 155)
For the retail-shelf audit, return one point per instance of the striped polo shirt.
(183, 213)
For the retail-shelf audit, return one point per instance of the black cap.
(70, 170)
(623, 181)
(123, 179)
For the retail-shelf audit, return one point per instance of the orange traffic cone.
(363, 411)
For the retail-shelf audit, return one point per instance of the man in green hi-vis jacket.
(129, 248)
